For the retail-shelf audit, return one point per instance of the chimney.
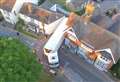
(29, 8)
(71, 19)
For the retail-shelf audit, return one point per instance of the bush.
(41, 1)
(20, 24)
(115, 70)
(17, 63)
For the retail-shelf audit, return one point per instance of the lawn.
(19, 64)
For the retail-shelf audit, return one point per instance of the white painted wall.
(19, 3)
(28, 19)
(49, 29)
(16, 8)
(8, 16)
(102, 64)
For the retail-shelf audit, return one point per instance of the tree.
(40, 2)
(115, 70)
(17, 63)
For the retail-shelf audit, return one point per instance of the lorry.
(53, 44)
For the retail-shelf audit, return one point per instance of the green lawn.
(19, 64)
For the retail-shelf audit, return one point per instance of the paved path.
(6, 31)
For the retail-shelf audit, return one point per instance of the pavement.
(7, 31)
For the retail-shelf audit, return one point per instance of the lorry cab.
(53, 59)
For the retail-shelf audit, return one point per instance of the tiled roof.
(97, 37)
(37, 13)
(107, 23)
(7, 4)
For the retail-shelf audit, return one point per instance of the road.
(84, 71)
(6, 31)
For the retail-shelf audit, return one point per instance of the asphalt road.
(85, 72)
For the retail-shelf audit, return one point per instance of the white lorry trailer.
(54, 43)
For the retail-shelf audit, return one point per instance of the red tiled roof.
(37, 13)
(98, 37)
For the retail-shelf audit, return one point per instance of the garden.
(19, 64)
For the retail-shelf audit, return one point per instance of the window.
(53, 58)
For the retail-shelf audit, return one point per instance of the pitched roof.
(97, 37)
(7, 4)
(37, 13)
(107, 23)
(102, 20)
(47, 4)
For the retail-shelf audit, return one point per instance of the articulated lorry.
(54, 43)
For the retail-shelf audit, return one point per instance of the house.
(39, 19)
(49, 5)
(6, 7)
(105, 43)
(112, 25)
(104, 59)
(10, 9)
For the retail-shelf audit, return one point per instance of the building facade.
(11, 8)
(39, 18)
